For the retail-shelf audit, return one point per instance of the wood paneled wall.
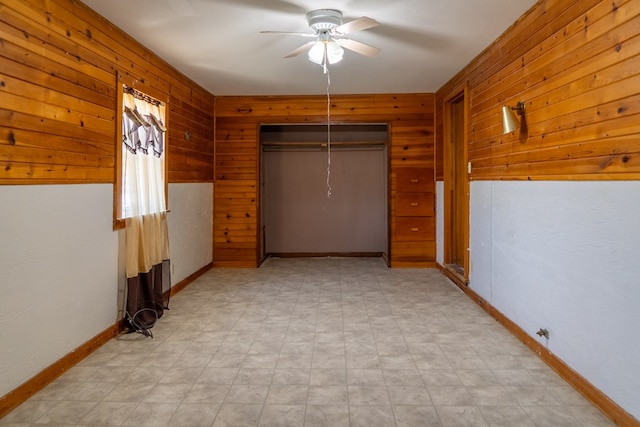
(58, 64)
(236, 199)
(576, 65)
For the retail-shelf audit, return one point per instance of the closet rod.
(324, 144)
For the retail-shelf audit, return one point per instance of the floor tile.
(218, 375)
(294, 361)
(328, 361)
(440, 377)
(416, 416)
(207, 393)
(371, 416)
(327, 416)
(291, 376)
(551, 416)
(368, 395)
(492, 396)
(282, 416)
(66, 412)
(247, 394)
(194, 415)
(327, 395)
(28, 412)
(233, 415)
(478, 377)
(168, 393)
(589, 416)
(108, 413)
(397, 361)
(532, 395)
(112, 374)
(567, 395)
(287, 394)
(363, 361)
(461, 416)
(56, 390)
(506, 416)
(328, 376)
(91, 391)
(514, 376)
(181, 375)
(409, 395)
(406, 377)
(450, 396)
(129, 392)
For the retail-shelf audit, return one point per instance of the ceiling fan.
(330, 36)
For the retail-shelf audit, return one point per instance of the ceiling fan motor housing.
(323, 20)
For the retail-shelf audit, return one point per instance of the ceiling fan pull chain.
(328, 134)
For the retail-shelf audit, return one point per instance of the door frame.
(261, 225)
(462, 91)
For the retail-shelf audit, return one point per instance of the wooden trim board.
(601, 401)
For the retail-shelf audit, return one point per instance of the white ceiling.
(218, 44)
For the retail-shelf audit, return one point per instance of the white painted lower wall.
(564, 256)
(190, 228)
(59, 268)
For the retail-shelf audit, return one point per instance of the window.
(141, 153)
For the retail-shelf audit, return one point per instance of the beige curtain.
(147, 242)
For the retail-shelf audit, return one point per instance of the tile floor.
(314, 342)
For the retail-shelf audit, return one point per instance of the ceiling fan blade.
(359, 24)
(297, 51)
(287, 33)
(359, 47)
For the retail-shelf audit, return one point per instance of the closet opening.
(324, 194)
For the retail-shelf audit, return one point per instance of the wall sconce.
(509, 119)
(187, 135)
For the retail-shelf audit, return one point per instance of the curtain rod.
(142, 96)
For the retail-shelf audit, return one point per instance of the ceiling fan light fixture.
(335, 52)
(329, 51)
(317, 52)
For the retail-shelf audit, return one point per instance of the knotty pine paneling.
(58, 65)
(575, 64)
(237, 157)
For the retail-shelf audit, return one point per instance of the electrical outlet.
(543, 333)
